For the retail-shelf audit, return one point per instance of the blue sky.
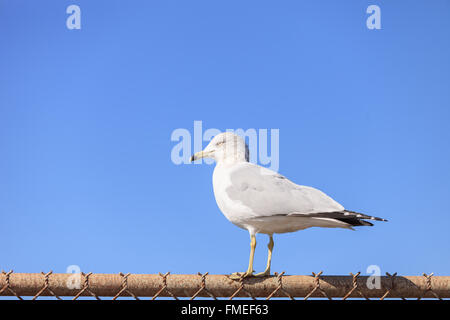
(86, 118)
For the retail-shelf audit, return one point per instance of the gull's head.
(227, 147)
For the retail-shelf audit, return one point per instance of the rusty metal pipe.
(185, 285)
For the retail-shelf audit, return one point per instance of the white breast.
(233, 210)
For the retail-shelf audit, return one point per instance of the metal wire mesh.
(175, 286)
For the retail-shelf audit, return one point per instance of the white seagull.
(262, 201)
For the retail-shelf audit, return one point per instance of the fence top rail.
(214, 286)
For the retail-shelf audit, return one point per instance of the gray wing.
(268, 193)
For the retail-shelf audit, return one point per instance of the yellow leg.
(252, 254)
(269, 259)
(249, 272)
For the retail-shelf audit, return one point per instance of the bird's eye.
(220, 143)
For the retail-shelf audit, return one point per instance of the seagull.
(260, 200)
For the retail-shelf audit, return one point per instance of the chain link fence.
(176, 286)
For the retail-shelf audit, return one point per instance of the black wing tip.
(359, 215)
(355, 222)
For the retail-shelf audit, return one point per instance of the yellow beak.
(200, 155)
